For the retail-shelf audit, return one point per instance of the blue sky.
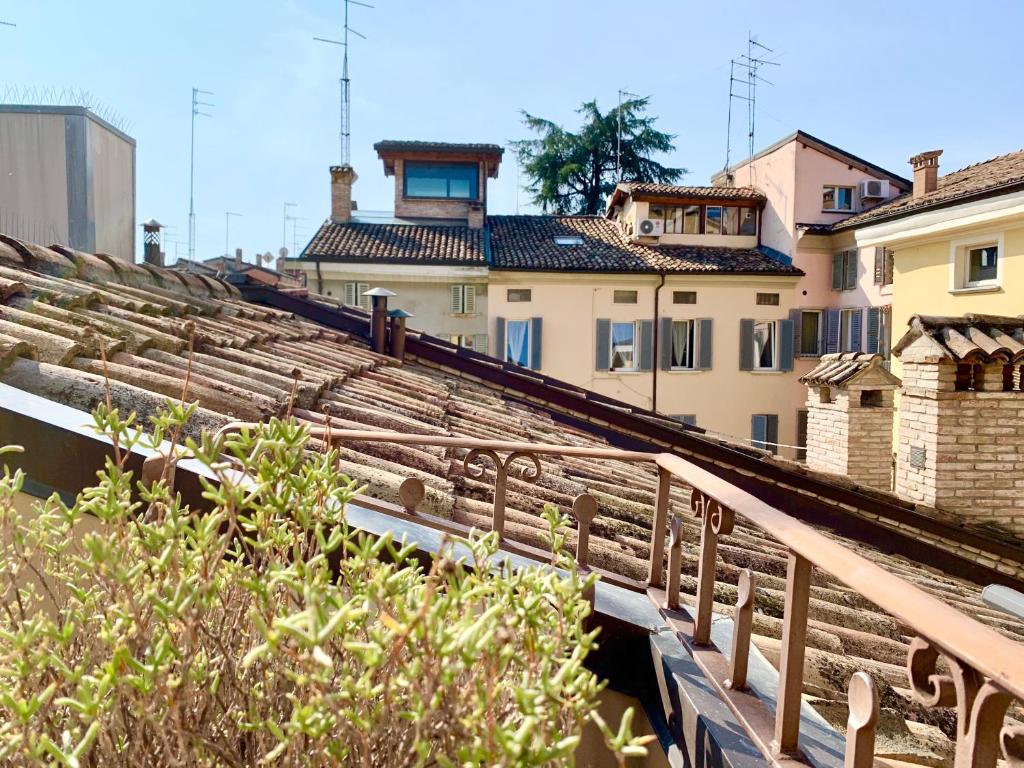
(882, 79)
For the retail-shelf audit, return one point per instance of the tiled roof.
(57, 314)
(638, 189)
(528, 243)
(996, 176)
(815, 229)
(391, 145)
(845, 368)
(971, 338)
(399, 243)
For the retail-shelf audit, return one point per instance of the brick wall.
(850, 435)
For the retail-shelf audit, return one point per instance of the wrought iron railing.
(983, 671)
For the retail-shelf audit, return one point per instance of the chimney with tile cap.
(342, 179)
(476, 216)
(926, 172)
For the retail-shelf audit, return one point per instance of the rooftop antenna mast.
(346, 97)
(7, 24)
(748, 65)
(196, 104)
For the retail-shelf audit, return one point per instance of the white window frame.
(775, 346)
(529, 346)
(846, 328)
(959, 262)
(358, 289)
(464, 291)
(835, 194)
(611, 347)
(510, 291)
(820, 341)
(694, 341)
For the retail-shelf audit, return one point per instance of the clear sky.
(883, 80)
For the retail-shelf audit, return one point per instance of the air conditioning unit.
(651, 228)
(874, 189)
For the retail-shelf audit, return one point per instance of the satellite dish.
(267, 257)
(283, 252)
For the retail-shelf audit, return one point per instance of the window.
(476, 342)
(713, 220)
(976, 264)
(568, 240)
(352, 295)
(883, 266)
(519, 294)
(718, 219)
(691, 220)
(463, 300)
(764, 431)
(674, 221)
(624, 297)
(517, 342)
(456, 181)
(684, 297)
(981, 265)
(850, 330)
(684, 344)
(844, 270)
(837, 198)
(810, 332)
(731, 223)
(768, 299)
(623, 339)
(765, 341)
(748, 221)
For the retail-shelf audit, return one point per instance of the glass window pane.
(656, 212)
(691, 220)
(622, 346)
(713, 220)
(451, 180)
(982, 264)
(748, 221)
(764, 345)
(844, 197)
(828, 199)
(682, 344)
(517, 342)
(810, 323)
(732, 221)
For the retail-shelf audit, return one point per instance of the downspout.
(319, 278)
(654, 352)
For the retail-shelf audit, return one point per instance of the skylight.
(568, 240)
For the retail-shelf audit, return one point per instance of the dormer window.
(454, 181)
(568, 240)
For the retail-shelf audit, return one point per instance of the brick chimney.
(476, 216)
(238, 258)
(926, 172)
(342, 179)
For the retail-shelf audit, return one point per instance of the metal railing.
(983, 671)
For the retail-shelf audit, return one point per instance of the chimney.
(151, 253)
(378, 318)
(397, 321)
(342, 179)
(476, 216)
(238, 258)
(926, 172)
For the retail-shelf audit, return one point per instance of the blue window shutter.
(831, 330)
(856, 325)
(603, 353)
(758, 430)
(796, 317)
(536, 337)
(771, 432)
(786, 345)
(665, 343)
(874, 326)
(704, 344)
(746, 345)
(646, 345)
(499, 338)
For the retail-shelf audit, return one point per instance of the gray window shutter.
(499, 338)
(772, 431)
(665, 343)
(879, 266)
(646, 345)
(786, 345)
(602, 356)
(890, 258)
(758, 430)
(796, 317)
(874, 326)
(831, 330)
(801, 434)
(856, 324)
(456, 307)
(746, 345)
(536, 336)
(851, 270)
(704, 343)
(837, 271)
(480, 343)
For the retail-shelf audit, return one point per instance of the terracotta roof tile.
(397, 145)
(970, 338)
(642, 189)
(397, 243)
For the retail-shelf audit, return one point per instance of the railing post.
(658, 523)
(791, 664)
(584, 508)
(411, 493)
(675, 564)
(498, 515)
(742, 621)
(862, 701)
(717, 520)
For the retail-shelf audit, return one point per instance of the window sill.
(837, 210)
(767, 372)
(685, 370)
(463, 315)
(623, 372)
(442, 199)
(977, 289)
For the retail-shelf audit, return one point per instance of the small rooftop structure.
(848, 368)
(970, 338)
(390, 149)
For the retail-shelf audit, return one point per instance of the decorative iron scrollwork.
(721, 519)
(502, 467)
(980, 705)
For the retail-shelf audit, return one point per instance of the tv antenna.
(7, 24)
(346, 98)
(227, 230)
(196, 104)
(748, 66)
(618, 133)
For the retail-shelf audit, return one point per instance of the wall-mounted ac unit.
(874, 189)
(651, 228)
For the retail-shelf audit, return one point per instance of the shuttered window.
(685, 344)
(764, 431)
(831, 331)
(807, 331)
(877, 342)
(766, 345)
(352, 295)
(463, 300)
(844, 270)
(883, 266)
(851, 330)
(624, 346)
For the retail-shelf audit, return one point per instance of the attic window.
(568, 240)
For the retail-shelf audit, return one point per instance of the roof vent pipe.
(396, 319)
(378, 318)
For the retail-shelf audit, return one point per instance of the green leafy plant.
(264, 630)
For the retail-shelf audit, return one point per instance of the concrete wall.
(723, 398)
(33, 177)
(113, 191)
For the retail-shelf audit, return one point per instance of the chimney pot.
(342, 179)
(926, 172)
